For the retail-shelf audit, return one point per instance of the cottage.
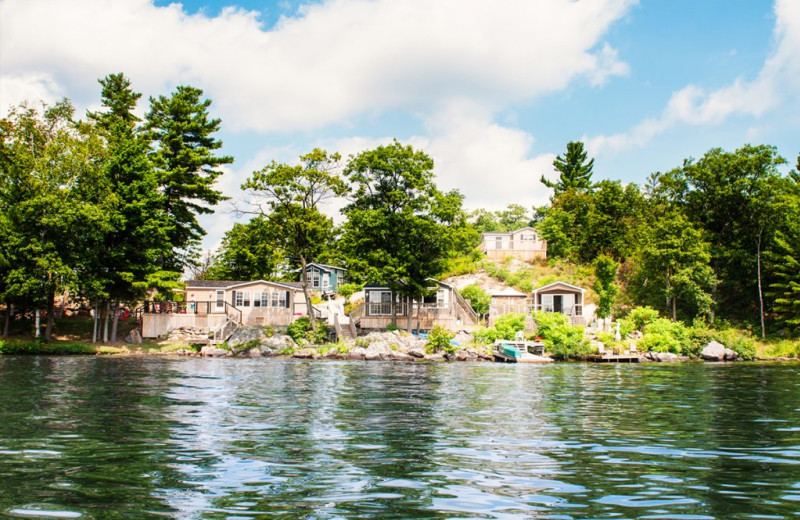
(213, 303)
(522, 244)
(444, 306)
(561, 297)
(325, 278)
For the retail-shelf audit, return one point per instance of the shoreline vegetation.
(101, 213)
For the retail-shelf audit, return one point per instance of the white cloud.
(336, 60)
(778, 80)
(32, 87)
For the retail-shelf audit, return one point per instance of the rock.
(254, 353)
(416, 352)
(378, 350)
(438, 356)
(731, 355)
(134, 337)
(467, 354)
(246, 334)
(212, 351)
(662, 357)
(713, 351)
(397, 355)
(278, 342)
(356, 353)
(305, 353)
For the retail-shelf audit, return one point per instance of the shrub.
(739, 341)
(477, 297)
(349, 289)
(663, 335)
(301, 331)
(507, 326)
(562, 340)
(36, 347)
(641, 317)
(439, 341)
(392, 327)
(484, 335)
(786, 348)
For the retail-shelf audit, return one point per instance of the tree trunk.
(7, 325)
(114, 322)
(105, 321)
(36, 322)
(48, 332)
(307, 293)
(394, 309)
(63, 305)
(760, 293)
(674, 308)
(95, 320)
(410, 317)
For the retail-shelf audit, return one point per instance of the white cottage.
(522, 244)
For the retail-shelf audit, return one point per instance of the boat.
(519, 351)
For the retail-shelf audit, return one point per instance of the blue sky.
(491, 90)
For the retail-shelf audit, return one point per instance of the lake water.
(113, 438)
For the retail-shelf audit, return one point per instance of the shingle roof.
(222, 284)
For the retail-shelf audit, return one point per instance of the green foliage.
(575, 172)
(439, 341)
(248, 252)
(187, 166)
(605, 269)
(740, 341)
(400, 228)
(484, 335)
(478, 298)
(10, 348)
(780, 349)
(349, 289)
(301, 331)
(392, 327)
(637, 319)
(561, 340)
(508, 325)
(463, 264)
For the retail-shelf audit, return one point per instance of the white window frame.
(220, 300)
(279, 299)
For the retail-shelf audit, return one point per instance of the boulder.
(662, 357)
(378, 350)
(416, 352)
(278, 342)
(397, 355)
(305, 353)
(246, 334)
(713, 351)
(356, 353)
(134, 337)
(731, 355)
(212, 351)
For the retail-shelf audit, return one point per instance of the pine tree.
(575, 171)
(186, 165)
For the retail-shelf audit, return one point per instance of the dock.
(623, 358)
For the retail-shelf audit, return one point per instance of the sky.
(491, 90)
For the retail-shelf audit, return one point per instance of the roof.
(326, 267)
(551, 285)
(526, 228)
(229, 284)
(508, 291)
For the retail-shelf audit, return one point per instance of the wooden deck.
(623, 358)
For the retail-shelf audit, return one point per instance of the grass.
(27, 347)
(778, 348)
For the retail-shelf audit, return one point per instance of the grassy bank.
(19, 347)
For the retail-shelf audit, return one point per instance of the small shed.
(507, 301)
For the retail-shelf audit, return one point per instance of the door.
(558, 304)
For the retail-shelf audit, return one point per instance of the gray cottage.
(325, 278)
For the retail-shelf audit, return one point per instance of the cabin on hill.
(561, 297)
(325, 278)
(444, 307)
(523, 244)
(211, 304)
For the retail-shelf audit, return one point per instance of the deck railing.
(192, 307)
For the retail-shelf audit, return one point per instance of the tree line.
(107, 207)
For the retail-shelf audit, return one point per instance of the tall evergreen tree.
(187, 167)
(575, 172)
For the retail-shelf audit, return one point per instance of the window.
(380, 303)
(220, 300)
(547, 302)
(326, 281)
(279, 299)
(498, 243)
(265, 299)
(315, 279)
(245, 298)
(237, 298)
(258, 299)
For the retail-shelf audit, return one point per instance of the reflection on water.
(245, 439)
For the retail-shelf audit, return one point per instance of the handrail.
(337, 326)
(466, 307)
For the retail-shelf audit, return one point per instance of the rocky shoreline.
(256, 342)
